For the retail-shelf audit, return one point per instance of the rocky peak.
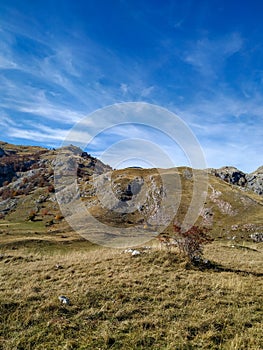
(234, 176)
(231, 175)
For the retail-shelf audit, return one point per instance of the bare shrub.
(51, 189)
(191, 242)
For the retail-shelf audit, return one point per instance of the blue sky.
(203, 60)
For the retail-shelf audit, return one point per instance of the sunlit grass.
(151, 301)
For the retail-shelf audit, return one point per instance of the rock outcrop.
(255, 181)
(36, 183)
(23, 170)
(252, 181)
(2, 152)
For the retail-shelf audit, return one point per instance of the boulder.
(2, 152)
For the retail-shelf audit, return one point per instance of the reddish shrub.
(44, 212)
(7, 193)
(25, 180)
(191, 242)
(51, 189)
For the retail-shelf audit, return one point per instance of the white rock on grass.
(133, 252)
(128, 250)
(64, 300)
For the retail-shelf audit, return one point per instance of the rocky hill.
(26, 172)
(130, 198)
(252, 181)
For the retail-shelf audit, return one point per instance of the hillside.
(153, 300)
(141, 200)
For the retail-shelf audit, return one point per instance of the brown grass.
(151, 301)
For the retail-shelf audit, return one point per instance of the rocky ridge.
(233, 176)
(127, 198)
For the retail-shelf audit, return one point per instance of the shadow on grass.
(206, 265)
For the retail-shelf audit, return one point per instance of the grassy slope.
(20, 150)
(246, 207)
(151, 301)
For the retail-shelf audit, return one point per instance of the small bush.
(44, 212)
(51, 189)
(191, 242)
(7, 193)
(32, 215)
(25, 180)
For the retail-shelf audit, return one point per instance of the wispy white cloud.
(245, 158)
(135, 151)
(72, 74)
(223, 107)
(229, 129)
(124, 88)
(208, 55)
(72, 78)
(44, 134)
(7, 61)
(5, 120)
(56, 112)
(179, 23)
(147, 91)
(33, 101)
(61, 69)
(20, 129)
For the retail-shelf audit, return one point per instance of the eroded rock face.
(252, 181)
(2, 152)
(7, 205)
(7, 172)
(126, 192)
(255, 181)
(257, 237)
(231, 175)
(223, 206)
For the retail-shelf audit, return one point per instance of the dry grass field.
(154, 300)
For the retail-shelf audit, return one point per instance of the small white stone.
(135, 252)
(63, 299)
